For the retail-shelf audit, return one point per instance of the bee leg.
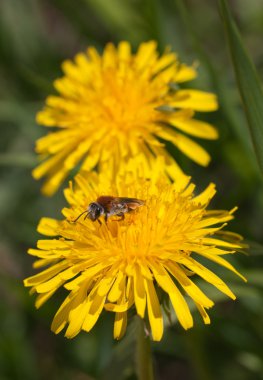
(122, 217)
(99, 222)
(106, 218)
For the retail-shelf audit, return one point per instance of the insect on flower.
(107, 205)
(124, 268)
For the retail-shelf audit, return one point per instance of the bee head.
(95, 210)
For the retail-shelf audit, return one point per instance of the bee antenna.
(86, 211)
(87, 216)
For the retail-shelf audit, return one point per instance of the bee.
(107, 205)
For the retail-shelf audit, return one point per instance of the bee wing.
(114, 205)
(132, 203)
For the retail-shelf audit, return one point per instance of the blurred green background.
(35, 37)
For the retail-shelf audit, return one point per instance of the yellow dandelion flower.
(128, 264)
(112, 106)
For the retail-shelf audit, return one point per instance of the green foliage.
(36, 35)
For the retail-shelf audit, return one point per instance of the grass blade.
(248, 82)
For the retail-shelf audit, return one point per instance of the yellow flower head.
(113, 106)
(133, 263)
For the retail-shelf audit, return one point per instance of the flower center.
(124, 103)
(157, 229)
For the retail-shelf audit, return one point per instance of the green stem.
(194, 344)
(143, 355)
